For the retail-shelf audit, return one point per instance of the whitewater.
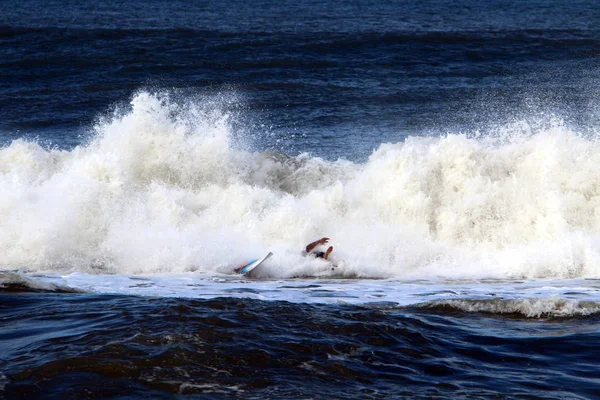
(167, 196)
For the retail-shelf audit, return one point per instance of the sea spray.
(164, 188)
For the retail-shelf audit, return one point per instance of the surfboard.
(251, 266)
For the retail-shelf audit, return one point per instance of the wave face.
(171, 186)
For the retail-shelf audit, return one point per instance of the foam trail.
(164, 187)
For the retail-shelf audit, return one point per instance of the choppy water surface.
(318, 338)
(89, 346)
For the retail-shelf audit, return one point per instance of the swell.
(534, 308)
(328, 44)
(233, 348)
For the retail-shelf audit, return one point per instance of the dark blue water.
(124, 347)
(302, 75)
(334, 79)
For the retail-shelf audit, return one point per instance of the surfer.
(311, 249)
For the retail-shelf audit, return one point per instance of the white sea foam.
(531, 307)
(163, 188)
(20, 281)
(539, 298)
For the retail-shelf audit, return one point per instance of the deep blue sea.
(449, 150)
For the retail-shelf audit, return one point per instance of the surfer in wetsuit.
(310, 249)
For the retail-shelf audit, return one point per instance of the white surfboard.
(251, 266)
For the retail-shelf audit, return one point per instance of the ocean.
(449, 149)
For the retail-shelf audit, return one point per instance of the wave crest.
(553, 307)
(171, 186)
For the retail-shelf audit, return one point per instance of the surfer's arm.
(314, 244)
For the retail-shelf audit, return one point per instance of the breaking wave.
(15, 282)
(171, 187)
(553, 307)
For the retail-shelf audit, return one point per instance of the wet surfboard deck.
(252, 265)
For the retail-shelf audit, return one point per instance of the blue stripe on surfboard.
(247, 266)
(254, 264)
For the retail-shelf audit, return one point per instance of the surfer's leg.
(328, 252)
